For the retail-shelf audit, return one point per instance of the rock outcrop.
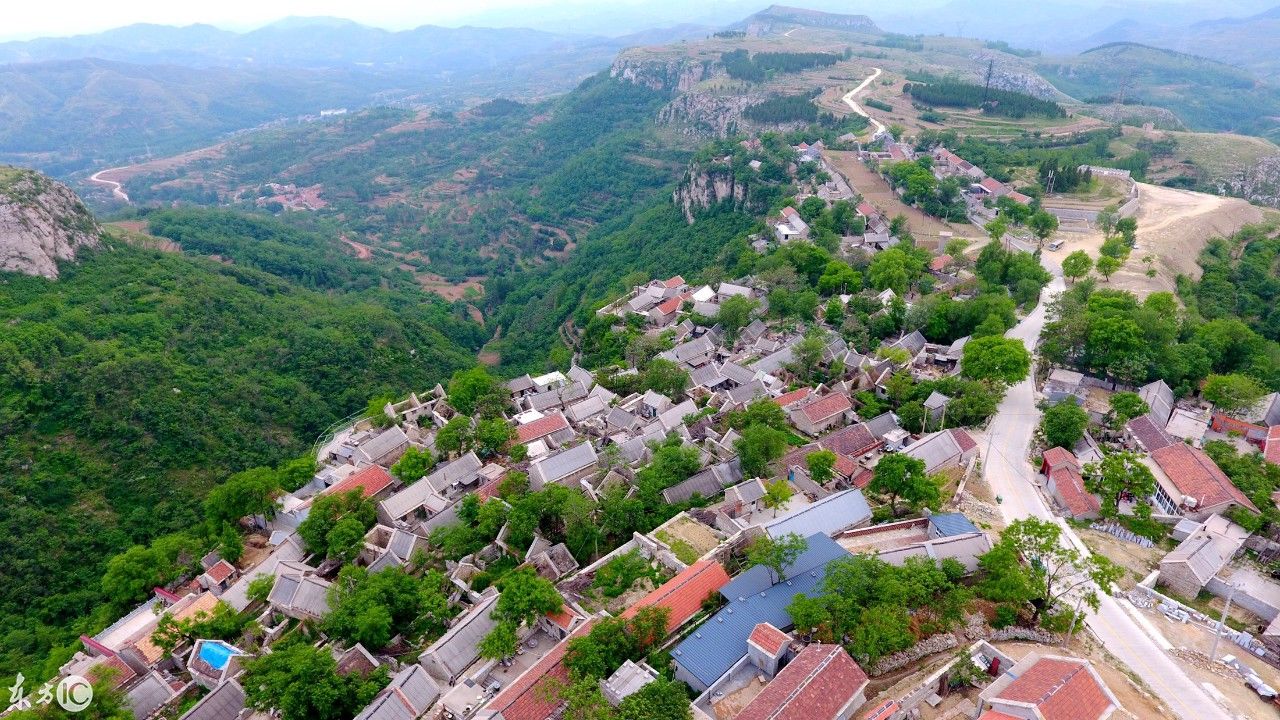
(780, 14)
(664, 74)
(41, 222)
(1258, 184)
(705, 186)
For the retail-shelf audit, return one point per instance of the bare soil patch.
(876, 191)
(449, 290)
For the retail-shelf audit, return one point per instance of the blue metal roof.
(951, 524)
(722, 640)
(829, 516)
(753, 580)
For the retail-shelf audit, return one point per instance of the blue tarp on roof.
(722, 640)
(952, 524)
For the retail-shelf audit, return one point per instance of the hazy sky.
(70, 17)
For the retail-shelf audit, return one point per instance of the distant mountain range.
(1251, 42)
(68, 103)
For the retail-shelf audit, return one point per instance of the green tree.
(734, 314)
(501, 642)
(996, 229)
(777, 494)
(776, 554)
(1063, 424)
(474, 391)
(371, 608)
(1076, 265)
(807, 355)
(132, 574)
(661, 699)
(1125, 406)
(260, 588)
(346, 539)
(821, 466)
(759, 446)
(1127, 228)
(251, 492)
(1107, 219)
(525, 596)
(881, 630)
(327, 510)
(903, 477)
(666, 378)
(492, 436)
(1107, 265)
(995, 358)
(1052, 569)
(455, 437)
(888, 271)
(1118, 474)
(230, 544)
(1042, 225)
(302, 683)
(413, 465)
(1232, 393)
(376, 411)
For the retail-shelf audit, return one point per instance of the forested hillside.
(140, 379)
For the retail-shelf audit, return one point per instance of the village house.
(708, 655)
(409, 694)
(1046, 687)
(1190, 483)
(829, 516)
(821, 683)
(791, 227)
(819, 415)
(383, 449)
(938, 536)
(531, 696)
(552, 427)
(225, 702)
(1253, 424)
(299, 593)
(387, 547)
(448, 657)
(566, 467)
(1064, 483)
(684, 594)
(1202, 555)
(943, 449)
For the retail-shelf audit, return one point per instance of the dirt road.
(848, 100)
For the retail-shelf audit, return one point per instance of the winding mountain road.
(1011, 476)
(848, 100)
(116, 189)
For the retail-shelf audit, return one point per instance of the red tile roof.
(862, 479)
(532, 696)
(541, 427)
(854, 440)
(674, 282)
(1018, 197)
(992, 184)
(1061, 689)
(1196, 474)
(1071, 487)
(1271, 449)
(1059, 457)
(120, 671)
(220, 571)
(816, 685)
(666, 307)
(1149, 435)
(963, 439)
(866, 209)
(369, 481)
(939, 263)
(789, 212)
(563, 619)
(845, 465)
(683, 594)
(993, 715)
(768, 638)
(786, 399)
(827, 407)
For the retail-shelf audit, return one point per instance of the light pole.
(1217, 634)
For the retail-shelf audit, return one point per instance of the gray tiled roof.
(951, 524)
(447, 657)
(389, 440)
(224, 703)
(564, 463)
(737, 373)
(149, 694)
(936, 450)
(463, 470)
(882, 425)
(288, 551)
(406, 697)
(829, 516)
(703, 483)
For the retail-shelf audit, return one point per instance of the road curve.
(848, 100)
(116, 188)
(1010, 476)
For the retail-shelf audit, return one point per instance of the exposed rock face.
(679, 74)
(41, 222)
(1137, 115)
(704, 186)
(706, 114)
(1016, 80)
(1258, 184)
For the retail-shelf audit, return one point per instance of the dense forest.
(783, 108)
(1005, 103)
(742, 65)
(1239, 279)
(138, 380)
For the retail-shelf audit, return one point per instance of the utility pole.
(991, 66)
(1217, 634)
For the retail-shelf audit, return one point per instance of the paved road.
(1010, 475)
(116, 188)
(848, 100)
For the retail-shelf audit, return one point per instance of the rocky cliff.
(665, 74)
(1258, 184)
(704, 186)
(41, 222)
(781, 14)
